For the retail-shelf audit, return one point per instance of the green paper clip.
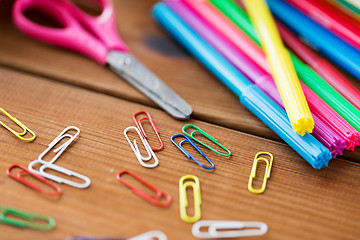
(29, 219)
(19, 135)
(267, 171)
(198, 130)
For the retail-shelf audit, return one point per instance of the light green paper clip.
(183, 198)
(267, 171)
(19, 135)
(28, 221)
(198, 130)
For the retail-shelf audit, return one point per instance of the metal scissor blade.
(145, 81)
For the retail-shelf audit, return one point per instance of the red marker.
(321, 66)
(332, 19)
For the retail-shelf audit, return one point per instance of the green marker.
(307, 75)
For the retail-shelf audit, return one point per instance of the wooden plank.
(299, 202)
(153, 47)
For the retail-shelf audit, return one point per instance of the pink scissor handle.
(72, 36)
(103, 26)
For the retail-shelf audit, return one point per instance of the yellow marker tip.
(304, 125)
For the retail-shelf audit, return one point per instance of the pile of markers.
(300, 95)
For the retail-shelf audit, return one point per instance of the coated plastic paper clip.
(148, 149)
(150, 236)
(29, 219)
(187, 154)
(184, 201)
(50, 164)
(267, 171)
(153, 199)
(217, 229)
(142, 131)
(19, 178)
(198, 130)
(17, 134)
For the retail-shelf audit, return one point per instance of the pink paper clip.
(19, 178)
(140, 127)
(155, 199)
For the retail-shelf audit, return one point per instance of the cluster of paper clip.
(216, 229)
(23, 219)
(151, 235)
(141, 133)
(190, 136)
(50, 164)
(228, 229)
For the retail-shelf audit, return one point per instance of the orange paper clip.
(155, 199)
(140, 127)
(30, 184)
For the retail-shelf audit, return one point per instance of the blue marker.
(250, 95)
(340, 52)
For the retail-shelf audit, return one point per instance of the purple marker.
(263, 80)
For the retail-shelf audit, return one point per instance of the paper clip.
(150, 236)
(135, 149)
(198, 130)
(187, 154)
(50, 164)
(183, 198)
(86, 181)
(155, 199)
(142, 131)
(61, 148)
(30, 184)
(19, 135)
(28, 221)
(216, 229)
(267, 171)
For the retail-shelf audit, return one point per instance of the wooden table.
(48, 89)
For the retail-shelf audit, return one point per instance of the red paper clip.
(140, 127)
(152, 199)
(33, 186)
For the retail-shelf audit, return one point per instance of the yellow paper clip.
(183, 198)
(283, 70)
(19, 135)
(267, 171)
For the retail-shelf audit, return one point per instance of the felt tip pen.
(250, 95)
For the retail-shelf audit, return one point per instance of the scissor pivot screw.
(125, 61)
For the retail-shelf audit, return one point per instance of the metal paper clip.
(86, 181)
(19, 135)
(151, 235)
(61, 148)
(198, 130)
(30, 184)
(217, 229)
(29, 219)
(155, 199)
(187, 154)
(135, 149)
(267, 171)
(184, 201)
(140, 127)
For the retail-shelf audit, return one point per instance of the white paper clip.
(50, 164)
(151, 235)
(62, 148)
(135, 149)
(216, 229)
(58, 179)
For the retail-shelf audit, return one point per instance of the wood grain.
(299, 202)
(153, 47)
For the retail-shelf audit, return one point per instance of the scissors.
(97, 38)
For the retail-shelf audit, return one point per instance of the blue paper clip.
(179, 146)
